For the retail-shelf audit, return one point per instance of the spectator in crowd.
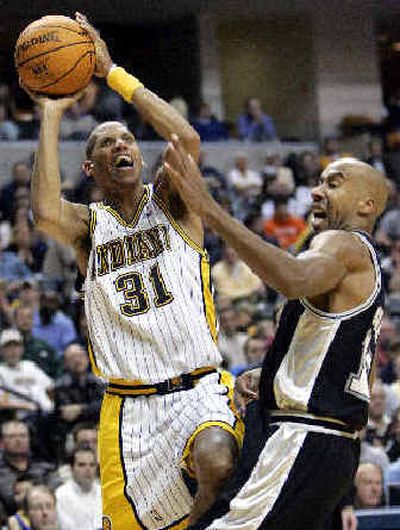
(215, 179)
(379, 422)
(209, 128)
(233, 279)
(41, 508)
(21, 178)
(283, 226)
(254, 350)
(6, 310)
(82, 492)
(275, 170)
(20, 520)
(246, 185)
(51, 324)
(330, 152)
(372, 453)
(16, 460)
(77, 123)
(25, 115)
(377, 159)
(230, 340)
(8, 129)
(28, 246)
(77, 393)
(254, 125)
(59, 268)
(369, 486)
(24, 387)
(85, 434)
(36, 350)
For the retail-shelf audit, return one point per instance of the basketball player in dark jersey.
(301, 447)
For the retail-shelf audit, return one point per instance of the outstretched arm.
(162, 116)
(315, 272)
(64, 221)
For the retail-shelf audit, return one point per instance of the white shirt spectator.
(247, 182)
(78, 509)
(27, 379)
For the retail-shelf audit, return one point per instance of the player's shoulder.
(345, 245)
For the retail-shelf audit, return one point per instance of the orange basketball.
(55, 56)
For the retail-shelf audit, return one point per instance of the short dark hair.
(81, 448)
(83, 426)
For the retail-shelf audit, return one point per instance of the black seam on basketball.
(81, 32)
(66, 73)
(23, 63)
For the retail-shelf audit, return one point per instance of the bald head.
(371, 183)
(98, 130)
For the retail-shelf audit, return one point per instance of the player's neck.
(126, 202)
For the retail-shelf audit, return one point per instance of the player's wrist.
(122, 82)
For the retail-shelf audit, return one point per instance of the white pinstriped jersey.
(148, 301)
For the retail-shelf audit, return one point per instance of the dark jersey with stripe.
(320, 363)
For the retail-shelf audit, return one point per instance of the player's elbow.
(43, 219)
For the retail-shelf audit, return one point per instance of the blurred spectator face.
(22, 197)
(241, 162)
(368, 484)
(395, 253)
(228, 320)
(255, 350)
(376, 149)
(29, 294)
(377, 405)
(254, 107)
(388, 332)
(20, 491)
(331, 146)
(205, 111)
(42, 509)
(84, 468)
(281, 210)
(22, 235)
(15, 438)
(265, 329)
(21, 174)
(230, 255)
(21, 214)
(24, 319)
(49, 305)
(76, 359)
(12, 353)
(87, 437)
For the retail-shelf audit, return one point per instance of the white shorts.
(145, 443)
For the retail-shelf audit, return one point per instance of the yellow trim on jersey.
(92, 359)
(237, 431)
(92, 221)
(137, 214)
(208, 300)
(116, 505)
(181, 525)
(177, 227)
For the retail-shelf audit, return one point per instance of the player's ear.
(88, 167)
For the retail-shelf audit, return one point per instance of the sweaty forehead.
(113, 128)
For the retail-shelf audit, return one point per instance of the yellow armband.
(125, 84)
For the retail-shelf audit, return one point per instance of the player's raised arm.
(64, 221)
(162, 116)
(318, 271)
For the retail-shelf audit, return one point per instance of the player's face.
(117, 161)
(334, 200)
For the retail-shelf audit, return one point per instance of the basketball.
(55, 56)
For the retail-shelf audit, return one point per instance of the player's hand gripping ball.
(55, 56)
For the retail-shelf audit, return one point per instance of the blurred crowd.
(49, 399)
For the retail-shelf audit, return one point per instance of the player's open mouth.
(123, 161)
(319, 214)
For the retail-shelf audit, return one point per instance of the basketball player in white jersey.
(168, 413)
(301, 447)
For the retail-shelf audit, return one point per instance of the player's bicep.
(72, 225)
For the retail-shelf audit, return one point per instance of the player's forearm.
(46, 180)
(291, 276)
(166, 120)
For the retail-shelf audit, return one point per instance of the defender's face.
(334, 201)
(116, 157)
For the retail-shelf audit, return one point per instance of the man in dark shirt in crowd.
(16, 460)
(77, 393)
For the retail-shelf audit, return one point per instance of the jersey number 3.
(136, 295)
